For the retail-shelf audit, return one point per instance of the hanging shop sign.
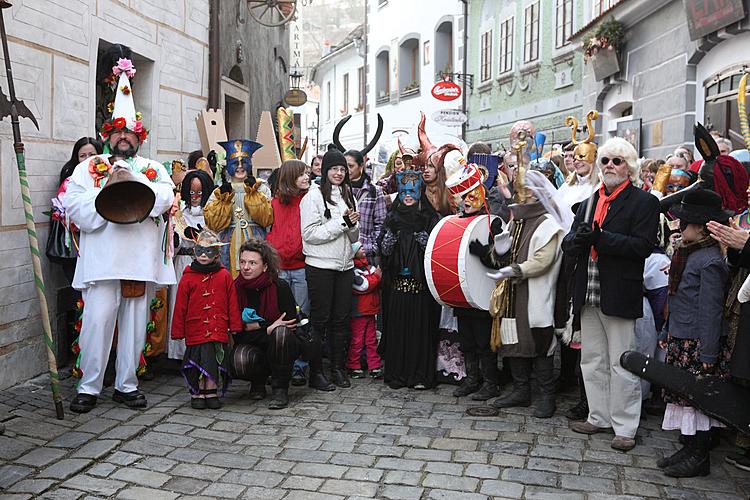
(446, 91)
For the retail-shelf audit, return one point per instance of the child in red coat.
(365, 305)
(205, 312)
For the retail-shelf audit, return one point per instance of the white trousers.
(103, 306)
(613, 393)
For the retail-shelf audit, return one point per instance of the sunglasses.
(210, 252)
(615, 161)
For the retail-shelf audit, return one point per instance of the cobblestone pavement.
(368, 441)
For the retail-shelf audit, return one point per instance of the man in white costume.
(111, 252)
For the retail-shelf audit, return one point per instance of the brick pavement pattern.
(365, 442)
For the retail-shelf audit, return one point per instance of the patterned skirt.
(207, 361)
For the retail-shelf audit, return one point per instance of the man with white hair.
(611, 241)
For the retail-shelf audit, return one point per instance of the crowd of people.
(592, 252)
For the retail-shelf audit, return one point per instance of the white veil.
(550, 198)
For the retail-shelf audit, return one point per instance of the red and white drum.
(455, 277)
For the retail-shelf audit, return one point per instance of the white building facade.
(410, 45)
(340, 76)
(54, 48)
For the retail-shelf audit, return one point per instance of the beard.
(612, 179)
(125, 149)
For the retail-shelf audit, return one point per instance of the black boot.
(339, 375)
(490, 388)
(568, 362)
(340, 378)
(521, 394)
(258, 388)
(317, 380)
(279, 398)
(545, 379)
(470, 383)
(581, 410)
(678, 456)
(697, 461)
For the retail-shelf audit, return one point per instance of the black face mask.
(210, 252)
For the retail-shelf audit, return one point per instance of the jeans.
(296, 280)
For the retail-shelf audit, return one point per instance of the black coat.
(628, 236)
(740, 364)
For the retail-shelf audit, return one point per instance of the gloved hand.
(502, 274)
(503, 241)
(586, 235)
(225, 188)
(476, 248)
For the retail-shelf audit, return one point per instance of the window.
(602, 6)
(486, 55)
(360, 89)
(444, 49)
(382, 77)
(328, 99)
(345, 109)
(563, 22)
(409, 67)
(506, 45)
(531, 33)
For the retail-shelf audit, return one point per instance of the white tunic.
(110, 251)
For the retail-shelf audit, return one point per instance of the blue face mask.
(409, 184)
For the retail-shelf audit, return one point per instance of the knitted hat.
(332, 158)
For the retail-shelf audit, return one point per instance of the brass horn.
(124, 199)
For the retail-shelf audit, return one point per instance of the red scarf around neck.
(268, 308)
(602, 207)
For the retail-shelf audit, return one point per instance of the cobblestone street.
(368, 441)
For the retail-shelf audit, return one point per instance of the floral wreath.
(119, 123)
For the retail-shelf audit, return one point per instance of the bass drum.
(455, 277)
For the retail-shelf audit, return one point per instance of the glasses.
(615, 161)
(338, 170)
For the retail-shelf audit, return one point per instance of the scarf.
(206, 268)
(602, 207)
(679, 260)
(268, 308)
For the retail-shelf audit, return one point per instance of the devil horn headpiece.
(368, 147)
(427, 148)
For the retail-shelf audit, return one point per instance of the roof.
(348, 40)
(595, 20)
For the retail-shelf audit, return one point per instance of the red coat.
(206, 308)
(366, 292)
(286, 233)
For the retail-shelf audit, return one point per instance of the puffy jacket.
(327, 243)
(286, 233)
(365, 289)
(205, 308)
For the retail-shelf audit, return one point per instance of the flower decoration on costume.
(118, 123)
(151, 174)
(111, 106)
(76, 347)
(125, 90)
(99, 170)
(125, 65)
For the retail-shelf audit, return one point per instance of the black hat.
(332, 158)
(700, 206)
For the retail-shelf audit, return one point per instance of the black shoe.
(487, 391)
(513, 400)
(467, 387)
(320, 382)
(738, 460)
(279, 399)
(339, 377)
(471, 383)
(213, 403)
(83, 403)
(198, 403)
(545, 408)
(257, 389)
(674, 458)
(578, 412)
(134, 399)
(299, 379)
(696, 461)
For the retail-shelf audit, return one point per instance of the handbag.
(57, 248)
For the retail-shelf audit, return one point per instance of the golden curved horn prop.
(591, 117)
(742, 108)
(572, 122)
(519, 183)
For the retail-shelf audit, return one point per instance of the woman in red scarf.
(267, 344)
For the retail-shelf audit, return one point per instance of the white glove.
(744, 294)
(502, 274)
(503, 242)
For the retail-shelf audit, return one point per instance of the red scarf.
(268, 308)
(602, 207)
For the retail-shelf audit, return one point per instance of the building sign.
(564, 78)
(450, 117)
(295, 42)
(706, 16)
(446, 91)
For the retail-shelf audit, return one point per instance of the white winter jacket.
(326, 243)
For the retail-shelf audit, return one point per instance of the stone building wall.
(54, 47)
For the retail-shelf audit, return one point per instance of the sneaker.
(420, 387)
(356, 373)
(586, 428)
(133, 399)
(376, 373)
(623, 443)
(738, 460)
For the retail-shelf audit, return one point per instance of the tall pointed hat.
(124, 115)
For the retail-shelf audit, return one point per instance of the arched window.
(382, 77)
(444, 48)
(408, 67)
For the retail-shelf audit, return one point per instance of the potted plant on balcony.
(603, 48)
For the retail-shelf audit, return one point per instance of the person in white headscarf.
(523, 302)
